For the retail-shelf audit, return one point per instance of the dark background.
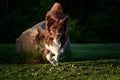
(90, 21)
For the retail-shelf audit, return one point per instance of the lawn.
(95, 51)
(88, 62)
(81, 70)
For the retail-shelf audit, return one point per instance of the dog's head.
(56, 23)
(56, 29)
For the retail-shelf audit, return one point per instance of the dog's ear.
(64, 23)
(64, 20)
(49, 21)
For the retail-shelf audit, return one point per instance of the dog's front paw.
(54, 62)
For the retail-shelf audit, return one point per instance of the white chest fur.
(54, 47)
(56, 50)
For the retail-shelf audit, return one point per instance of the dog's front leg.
(56, 57)
(50, 59)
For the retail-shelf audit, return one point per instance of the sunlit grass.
(82, 70)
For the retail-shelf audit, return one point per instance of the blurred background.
(90, 21)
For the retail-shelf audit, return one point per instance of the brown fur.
(54, 20)
(31, 39)
(43, 33)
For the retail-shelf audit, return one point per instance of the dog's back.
(31, 38)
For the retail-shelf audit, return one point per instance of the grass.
(95, 51)
(81, 70)
(88, 62)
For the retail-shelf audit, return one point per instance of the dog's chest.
(54, 47)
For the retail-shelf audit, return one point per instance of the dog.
(50, 37)
(56, 34)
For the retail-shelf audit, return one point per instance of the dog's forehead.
(56, 24)
(53, 27)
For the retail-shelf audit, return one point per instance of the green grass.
(82, 70)
(95, 51)
(88, 62)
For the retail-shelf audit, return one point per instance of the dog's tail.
(57, 6)
(56, 11)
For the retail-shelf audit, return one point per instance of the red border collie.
(49, 37)
(56, 34)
